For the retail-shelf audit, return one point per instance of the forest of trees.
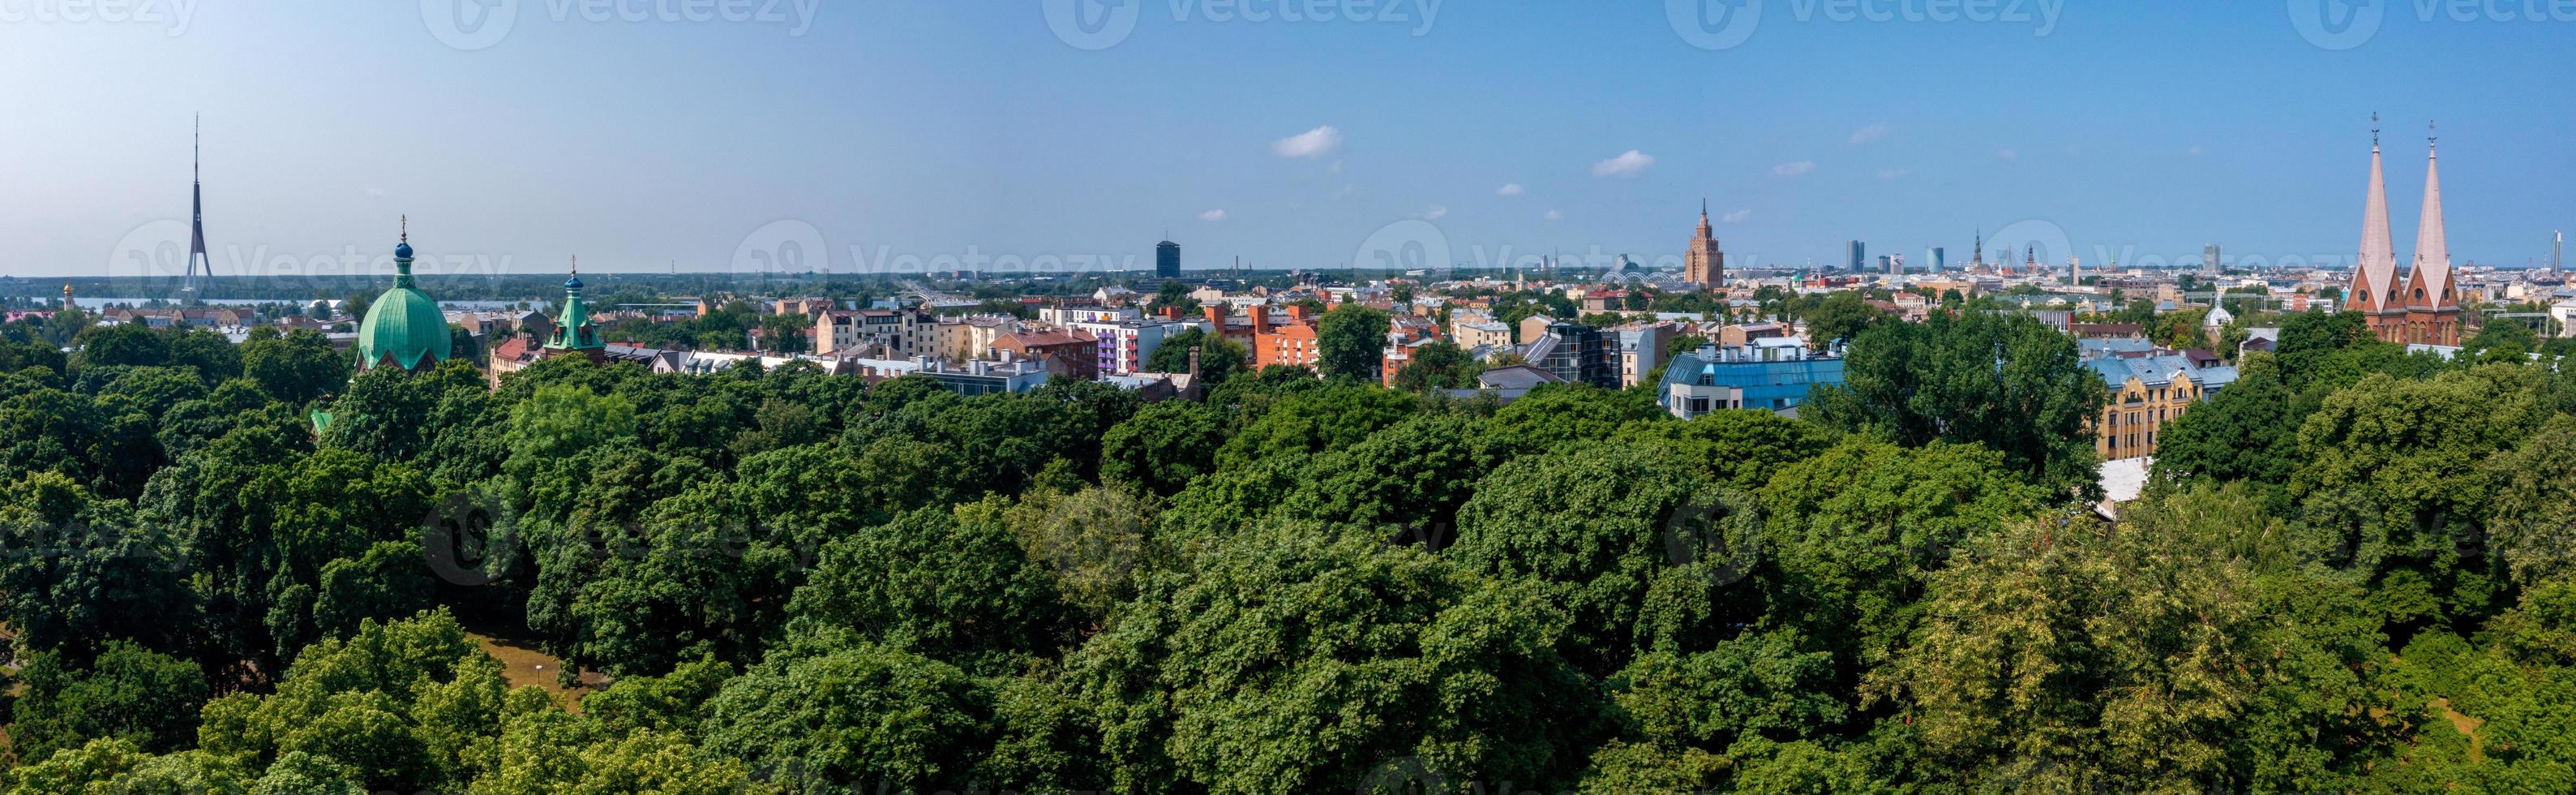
(2354, 570)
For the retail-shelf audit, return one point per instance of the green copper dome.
(403, 326)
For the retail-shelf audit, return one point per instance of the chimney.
(1194, 363)
(1216, 315)
(1261, 320)
(1297, 312)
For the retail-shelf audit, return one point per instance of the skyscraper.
(1937, 259)
(1167, 260)
(1704, 265)
(1859, 257)
(2209, 260)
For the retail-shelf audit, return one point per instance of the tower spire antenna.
(198, 259)
(2431, 138)
(406, 228)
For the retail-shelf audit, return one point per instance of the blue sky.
(904, 132)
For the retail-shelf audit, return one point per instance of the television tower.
(196, 215)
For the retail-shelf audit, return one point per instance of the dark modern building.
(1167, 260)
(1859, 257)
(1577, 354)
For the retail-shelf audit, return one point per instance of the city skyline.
(872, 150)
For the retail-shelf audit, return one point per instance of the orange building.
(1290, 343)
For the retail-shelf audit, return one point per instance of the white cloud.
(1311, 143)
(1336, 168)
(1436, 212)
(1799, 168)
(1626, 165)
(376, 192)
(1869, 133)
(1553, 215)
(1212, 215)
(1513, 189)
(1737, 216)
(1891, 173)
(2008, 155)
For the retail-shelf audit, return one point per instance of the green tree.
(128, 694)
(122, 344)
(2003, 381)
(947, 584)
(1244, 672)
(1438, 364)
(864, 714)
(295, 368)
(1163, 447)
(1219, 358)
(1841, 316)
(1351, 342)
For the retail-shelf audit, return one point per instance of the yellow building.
(2147, 394)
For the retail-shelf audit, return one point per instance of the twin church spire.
(2422, 306)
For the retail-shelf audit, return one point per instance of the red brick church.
(2423, 306)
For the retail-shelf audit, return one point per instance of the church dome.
(404, 326)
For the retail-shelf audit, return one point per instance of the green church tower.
(404, 328)
(574, 333)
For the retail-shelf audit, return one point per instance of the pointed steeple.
(2375, 275)
(2432, 245)
(1704, 230)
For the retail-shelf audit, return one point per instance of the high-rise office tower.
(1859, 257)
(1705, 265)
(1936, 259)
(1167, 260)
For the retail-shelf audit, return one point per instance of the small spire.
(576, 264)
(406, 228)
(2431, 140)
(2374, 131)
